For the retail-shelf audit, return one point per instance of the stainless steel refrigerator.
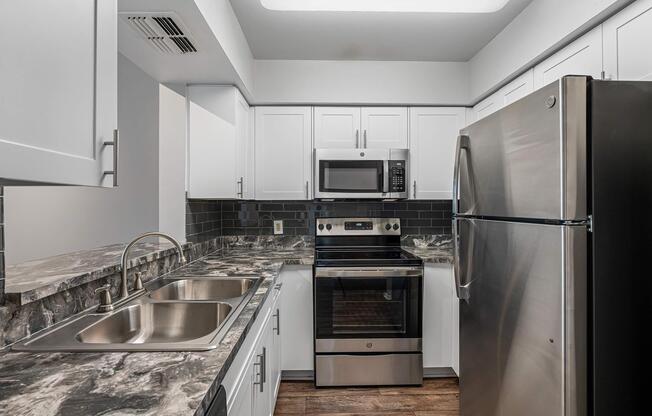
(548, 233)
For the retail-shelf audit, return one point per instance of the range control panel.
(358, 226)
(396, 176)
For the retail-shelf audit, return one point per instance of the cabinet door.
(245, 149)
(262, 397)
(627, 43)
(283, 153)
(441, 317)
(517, 89)
(275, 353)
(337, 127)
(59, 91)
(582, 57)
(433, 136)
(384, 128)
(487, 106)
(242, 402)
(212, 142)
(296, 319)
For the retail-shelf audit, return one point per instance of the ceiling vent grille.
(163, 31)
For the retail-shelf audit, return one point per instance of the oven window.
(351, 175)
(372, 307)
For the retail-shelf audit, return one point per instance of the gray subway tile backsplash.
(257, 217)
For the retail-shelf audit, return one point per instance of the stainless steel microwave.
(361, 173)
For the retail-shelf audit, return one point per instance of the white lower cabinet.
(440, 318)
(253, 379)
(296, 319)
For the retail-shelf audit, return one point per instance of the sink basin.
(196, 289)
(157, 323)
(184, 314)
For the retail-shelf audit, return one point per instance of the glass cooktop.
(365, 256)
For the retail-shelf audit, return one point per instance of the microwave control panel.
(396, 176)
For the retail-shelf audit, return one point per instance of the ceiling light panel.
(411, 6)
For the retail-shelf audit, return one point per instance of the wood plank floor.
(437, 397)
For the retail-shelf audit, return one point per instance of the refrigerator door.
(522, 326)
(528, 160)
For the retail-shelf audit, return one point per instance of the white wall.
(537, 31)
(45, 221)
(360, 82)
(172, 161)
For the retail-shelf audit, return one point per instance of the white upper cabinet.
(384, 128)
(58, 103)
(487, 106)
(361, 128)
(283, 153)
(628, 42)
(433, 136)
(337, 127)
(517, 89)
(582, 57)
(218, 142)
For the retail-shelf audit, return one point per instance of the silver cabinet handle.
(462, 143)
(357, 138)
(307, 190)
(365, 138)
(114, 143)
(241, 185)
(261, 373)
(277, 315)
(264, 366)
(414, 189)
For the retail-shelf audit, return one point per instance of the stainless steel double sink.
(180, 314)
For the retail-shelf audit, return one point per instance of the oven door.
(368, 309)
(351, 173)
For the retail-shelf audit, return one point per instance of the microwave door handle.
(385, 176)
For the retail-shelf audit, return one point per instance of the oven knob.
(388, 227)
(328, 227)
(395, 227)
(321, 227)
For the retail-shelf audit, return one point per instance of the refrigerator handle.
(462, 143)
(456, 258)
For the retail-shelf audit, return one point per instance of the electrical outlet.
(278, 227)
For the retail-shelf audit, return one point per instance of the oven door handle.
(330, 272)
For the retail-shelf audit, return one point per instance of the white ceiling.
(369, 36)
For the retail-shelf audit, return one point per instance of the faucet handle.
(106, 304)
(138, 282)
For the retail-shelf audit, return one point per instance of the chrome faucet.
(124, 291)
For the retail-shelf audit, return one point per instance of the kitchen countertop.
(165, 383)
(160, 383)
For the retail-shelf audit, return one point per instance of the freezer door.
(528, 160)
(522, 326)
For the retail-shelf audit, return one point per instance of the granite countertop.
(166, 383)
(37, 279)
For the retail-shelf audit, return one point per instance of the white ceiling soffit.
(364, 35)
(414, 6)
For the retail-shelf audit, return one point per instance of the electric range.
(368, 301)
